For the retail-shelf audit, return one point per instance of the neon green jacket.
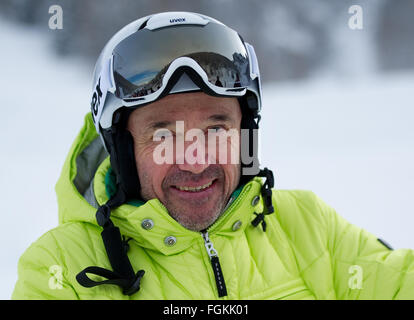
(307, 252)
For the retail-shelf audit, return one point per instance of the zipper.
(215, 264)
(212, 252)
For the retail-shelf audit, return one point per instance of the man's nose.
(193, 157)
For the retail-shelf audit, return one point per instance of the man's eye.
(216, 129)
(162, 134)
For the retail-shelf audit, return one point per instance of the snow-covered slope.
(351, 142)
(42, 104)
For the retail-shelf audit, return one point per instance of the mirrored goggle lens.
(142, 59)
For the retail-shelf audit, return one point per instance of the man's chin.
(197, 219)
(195, 210)
(196, 216)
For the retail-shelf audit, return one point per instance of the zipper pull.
(215, 263)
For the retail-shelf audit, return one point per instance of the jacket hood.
(73, 188)
(81, 188)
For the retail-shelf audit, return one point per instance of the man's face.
(194, 194)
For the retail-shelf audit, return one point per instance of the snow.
(351, 141)
(43, 102)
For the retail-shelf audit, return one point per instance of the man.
(166, 215)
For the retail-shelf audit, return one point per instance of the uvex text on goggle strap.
(141, 67)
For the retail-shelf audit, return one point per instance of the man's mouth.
(195, 188)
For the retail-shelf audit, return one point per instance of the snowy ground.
(351, 142)
(42, 103)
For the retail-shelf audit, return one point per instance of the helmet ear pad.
(120, 146)
(127, 169)
(250, 120)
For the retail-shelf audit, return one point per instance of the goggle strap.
(103, 84)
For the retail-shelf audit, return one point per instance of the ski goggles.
(143, 63)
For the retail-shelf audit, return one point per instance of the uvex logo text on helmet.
(177, 20)
(96, 98)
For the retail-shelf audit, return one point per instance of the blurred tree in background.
(294, 39)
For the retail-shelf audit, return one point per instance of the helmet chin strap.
(116, 247)
(267, 198)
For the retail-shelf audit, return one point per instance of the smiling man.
(161, 195)
(195, 194)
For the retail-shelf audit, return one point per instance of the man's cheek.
(159, 172)
(232, 176)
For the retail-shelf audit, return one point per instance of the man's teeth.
(195, 189)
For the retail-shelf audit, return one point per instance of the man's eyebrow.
(154, 125)
(220, 117)
(159, 124)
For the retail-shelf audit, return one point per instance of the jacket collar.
(129, 217)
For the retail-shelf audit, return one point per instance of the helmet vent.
(143, 25)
